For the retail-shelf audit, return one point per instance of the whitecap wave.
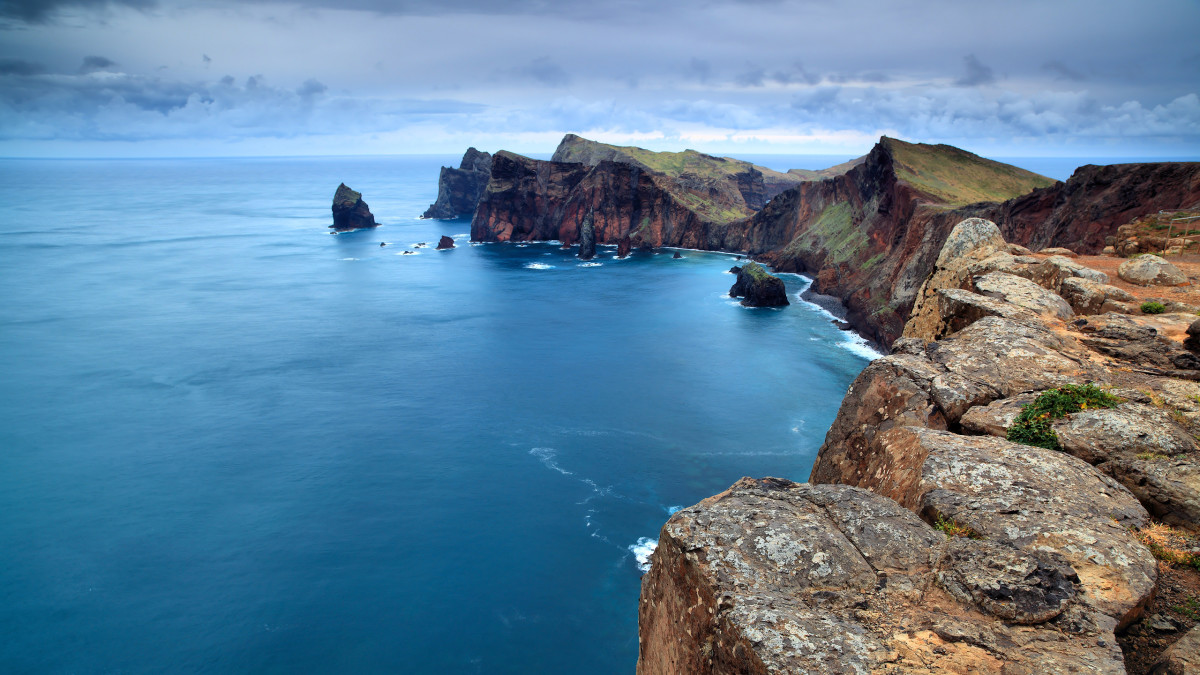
(672, 510)
(590, 264)
(547, 456)
(641, 552)
(538, 266)
(347, 258)
(858, 345)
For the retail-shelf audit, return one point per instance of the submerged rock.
(350, 212)
(445, 243)
(757, 288)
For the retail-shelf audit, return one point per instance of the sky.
(1052, 78)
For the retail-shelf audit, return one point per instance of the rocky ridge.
(869, 236)
(847, 574)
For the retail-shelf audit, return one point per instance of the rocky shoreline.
(857, 571)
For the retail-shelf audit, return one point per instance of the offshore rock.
(757, 288)
(445, 243)
(350, 212)
(459, 189)
(623, 247)
(777, 577)
(1151, 270)
(587, 239)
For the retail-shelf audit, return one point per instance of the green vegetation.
(1032, 426)
(1190, 608)
(952, 528)
(957, 177)
(1152, 456)
(756, 271)
(1151, 307)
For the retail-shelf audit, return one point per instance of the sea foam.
(641, 552)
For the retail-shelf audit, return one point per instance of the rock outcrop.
(757, 288)
(772, 576)
(350, 212)
(445, 243)
(768, 576)
(869, 236)
(587, 239)
(459, 189)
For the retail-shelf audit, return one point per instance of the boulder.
(350, 212)
(1192, 342)
(1151, 270)
(1023, 293)
(1058, 250)
(995, 418)
(1181, 658)
(1132, 339)
(1089, 297)
(757, 288)
(772, 576)
(960, 309)
(445, 243)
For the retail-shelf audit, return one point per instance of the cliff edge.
(927, 540)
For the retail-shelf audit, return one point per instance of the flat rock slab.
(1023, 293)
(772, 576)
(1181, 658)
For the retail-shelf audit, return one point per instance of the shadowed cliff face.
(869, 236)
(459, 189)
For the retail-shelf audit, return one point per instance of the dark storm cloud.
(977, 73)
(92, 64)
(1062, 71)
(19, 67)
(40, 11)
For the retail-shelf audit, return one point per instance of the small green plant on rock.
(1151, 307)
(952, 528)
(1190, 608)
(1032, 426)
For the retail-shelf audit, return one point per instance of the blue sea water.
(233, 442)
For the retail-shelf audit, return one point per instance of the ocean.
(231, 441)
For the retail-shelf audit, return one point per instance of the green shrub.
(1151, 307)
(952, 528)
(1032, 426)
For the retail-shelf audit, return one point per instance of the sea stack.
(445, 243)
(587, 239)
(623, 247)
(757, 288)
(350, 212)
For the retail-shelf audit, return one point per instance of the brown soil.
(1176, 605)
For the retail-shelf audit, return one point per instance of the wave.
(851, 341)
(538, 266)
(641, 552)
(590, 264)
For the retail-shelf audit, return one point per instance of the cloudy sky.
(1074, 78)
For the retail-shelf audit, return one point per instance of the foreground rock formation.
(757, 288)
(848, 575)
(350, 212)
(459, 189)
(869, 236)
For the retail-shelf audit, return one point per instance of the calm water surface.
(233, 442)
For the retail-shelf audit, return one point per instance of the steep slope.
(459, 189)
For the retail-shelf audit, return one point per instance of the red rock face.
(866, 237)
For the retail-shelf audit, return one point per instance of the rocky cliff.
(868, 236)
(928, 542)
(459, 189)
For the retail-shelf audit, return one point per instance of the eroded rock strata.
(869, 236)
(847, 574)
